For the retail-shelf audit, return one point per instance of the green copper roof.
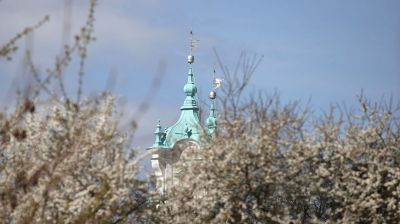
(188, 124)
(190, 90)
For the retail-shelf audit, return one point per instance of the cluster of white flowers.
(265, 166)
(69, 166)
(66, 162)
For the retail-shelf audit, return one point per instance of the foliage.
(65, 161)
(65, 164)
(270, 163)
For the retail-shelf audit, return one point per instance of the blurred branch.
(235, 84)
(86, 36)
(149, 96)
(35, 73)
(66, 31)
(10, 47)
(82, 40)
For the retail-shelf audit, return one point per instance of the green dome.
(190, 89)
(188, 125)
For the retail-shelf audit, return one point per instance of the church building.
(176, 145)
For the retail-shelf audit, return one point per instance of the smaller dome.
(190, 89)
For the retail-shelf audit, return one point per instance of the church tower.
(176, 145)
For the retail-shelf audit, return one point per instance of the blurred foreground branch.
(10, 47)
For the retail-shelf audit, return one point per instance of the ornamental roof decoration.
(188, 125)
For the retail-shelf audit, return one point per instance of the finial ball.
(212, 95)
(190, 59)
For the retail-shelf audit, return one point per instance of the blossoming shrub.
(274, 164)
(66, 164)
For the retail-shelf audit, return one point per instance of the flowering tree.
(64, 160)
(270, 163)
(66, 164)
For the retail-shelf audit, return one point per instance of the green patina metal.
(212, 118)
(186, 135)
(188, 125)
(159, 136)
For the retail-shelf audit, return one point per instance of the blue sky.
(326, 50)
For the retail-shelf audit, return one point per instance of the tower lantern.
(187, 134)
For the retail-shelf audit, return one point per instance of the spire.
(190, 88)
(212, 118)
(159, 136)
(188, 125)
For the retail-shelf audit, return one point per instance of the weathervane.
(193, 44)
(216, 84)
